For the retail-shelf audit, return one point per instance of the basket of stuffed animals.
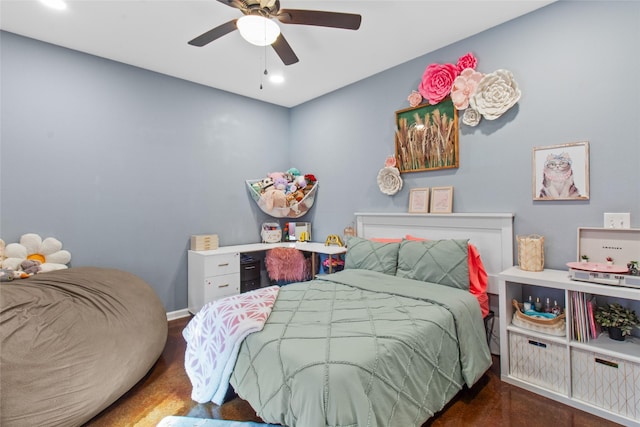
(284, 194)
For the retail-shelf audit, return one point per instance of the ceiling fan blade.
(284, 51)
(214, 34)
(348, 21)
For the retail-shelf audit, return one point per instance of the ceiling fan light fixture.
(258, 30)
(55, 4)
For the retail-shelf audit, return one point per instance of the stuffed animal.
(7, 275)
(280, 184)
(275, 175)
(291, 188)
(273, 198)
(30, 266)
(293, 171)
(298, 195)
(300, 182)
(266, 183)
(257, 187)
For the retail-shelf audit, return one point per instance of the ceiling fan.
(266, 10)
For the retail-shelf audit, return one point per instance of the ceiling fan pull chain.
(265, 66)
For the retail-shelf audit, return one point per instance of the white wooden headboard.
(491, 233)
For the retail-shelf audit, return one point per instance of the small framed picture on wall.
(441, 199)
(561, 172)
(419, 200)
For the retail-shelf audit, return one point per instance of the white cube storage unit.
(599, 375)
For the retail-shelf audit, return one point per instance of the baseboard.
(178, 314)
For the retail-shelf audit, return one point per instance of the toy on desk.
(304, 237)
(333, 239)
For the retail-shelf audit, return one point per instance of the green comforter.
(361, 348)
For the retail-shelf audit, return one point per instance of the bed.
(73, 341)
(387, 341)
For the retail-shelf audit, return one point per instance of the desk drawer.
(249, 285)
(250, 270)
(217, 287)
(216, 265)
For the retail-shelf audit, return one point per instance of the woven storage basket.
(531, 252)
(555, 326)
(537, 320)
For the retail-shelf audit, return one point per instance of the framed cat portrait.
(561, 172)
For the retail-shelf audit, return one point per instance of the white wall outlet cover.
(617, 220)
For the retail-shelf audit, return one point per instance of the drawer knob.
(223, 265)
(223, 286)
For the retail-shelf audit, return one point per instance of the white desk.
(215, 274)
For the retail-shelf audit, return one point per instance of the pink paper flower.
(390, 162)
(466, 61)
(414, 99)
(437, 81)
(464, 86)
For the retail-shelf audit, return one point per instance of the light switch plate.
(617, 220)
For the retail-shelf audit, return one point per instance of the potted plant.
(617, 319)
(609, 260)
(584, 258)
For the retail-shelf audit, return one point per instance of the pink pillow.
(478, 278)
(415, 238)
(385, 240)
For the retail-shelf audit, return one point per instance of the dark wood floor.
(166, 391)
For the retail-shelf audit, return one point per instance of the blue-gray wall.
(575, 63)
(123, 164)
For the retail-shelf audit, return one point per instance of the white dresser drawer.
(217, 287)
(217, 265)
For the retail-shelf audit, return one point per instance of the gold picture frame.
(419, 200)
(442, 200)
(427, 137)
(561, 172)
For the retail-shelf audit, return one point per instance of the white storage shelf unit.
(601, 376)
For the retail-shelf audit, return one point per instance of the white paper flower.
(495, 94)
(389, 180)
(48, 251)
(471, 117)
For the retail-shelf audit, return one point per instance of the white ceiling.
(153, 34)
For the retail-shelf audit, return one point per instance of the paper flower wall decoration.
(47, 252)
(389, 179)
(478, 95)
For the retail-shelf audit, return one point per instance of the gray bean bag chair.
(73, 341)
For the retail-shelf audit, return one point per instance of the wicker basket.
(543, 321)
(531, 252)
(556, 326)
